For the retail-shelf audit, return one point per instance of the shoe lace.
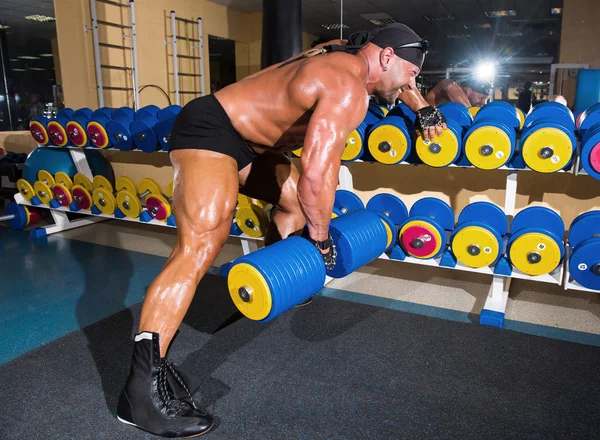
(174, 406)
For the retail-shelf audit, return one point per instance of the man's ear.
(386, 56)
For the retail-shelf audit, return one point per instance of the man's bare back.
(280, 118)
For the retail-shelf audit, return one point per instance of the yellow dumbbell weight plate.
(243, 200)
(162, 201)
(255, 289)
(252, 220)
(102, 182)
(436, 235)
(169, 192)
(480, 239)
(446, 146)
(127, 184)
(534, 243)
(297, 152)
(25, 189)
(43, 192)
(46, 177)
(260, 203)
(353, 146)
(83, 181)
(390, 234)
(151, 185)
(104, 201)
(64, 180)
(484, 136)
(474, 110)
(521, 116)
(553, 138)
(384, 137)
(129, 203)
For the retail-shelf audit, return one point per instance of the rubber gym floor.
(348, 366)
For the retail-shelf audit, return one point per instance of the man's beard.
(387, 99)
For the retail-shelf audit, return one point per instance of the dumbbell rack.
(493, 310)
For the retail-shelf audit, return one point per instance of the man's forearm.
(454, 93)
(413, 99)
(316, 196)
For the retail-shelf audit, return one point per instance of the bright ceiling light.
(485, 71)
(40, 18)
(28, 57)
(37, 69)
(19, 70)
(334, 26)
(46, 55)
(4, 26)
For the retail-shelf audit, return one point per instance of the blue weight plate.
(501, 112)
(143, 135)
(123, 112)
(390, 206)
(434, 209)
(457, 112)
(147, 111)
(584, 264)
(120, 134)
(539, 217)
(487, 213)
(404, 112)
(83, 112)
(163, 132)
(20, 215)
(235, 229)
(589, 143)
(376, 109)
(168, 112)
(551, 111)
(65, 113)
(589, 118)
(346, 201)
(105, 112)
(584, 227)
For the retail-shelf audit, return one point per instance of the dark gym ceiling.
(27, 37)
(460, 31)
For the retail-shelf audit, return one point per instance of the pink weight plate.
(76, 135)
(156, 209)
(82, 198)
(595, 158)
(414, 233)
(62, 196)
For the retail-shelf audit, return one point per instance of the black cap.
(398, 36)
(482, 86)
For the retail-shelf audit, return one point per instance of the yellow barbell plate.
(252, 220)
(434, 232)
(547, 137)
(385, 110)
(482, 238)
(297, 152)
(494, 137)
(448, 153)
(474, 110)
(151, 185)
(243, 200)
(169, 192)
(43, 192)
(353, 146)
(396, 140)
(25, 189)
(390, 234)
(260, 203)
(83, 181)
(46, 177)
(129, 203)
(534, 242)
(64, 180)
(104, 200)
(126, 183)
(260, 302)
(164, 202)
(102, 182)
(521, 116)
(333, 215)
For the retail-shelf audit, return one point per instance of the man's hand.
(326, 248)
(430, 121)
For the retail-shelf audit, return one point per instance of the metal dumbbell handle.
(5, 218)
(245, 293)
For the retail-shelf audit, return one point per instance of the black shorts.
(203, 124)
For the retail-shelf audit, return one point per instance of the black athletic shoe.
(156, 397)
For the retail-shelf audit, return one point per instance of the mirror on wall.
(222, 62)
(30, 83)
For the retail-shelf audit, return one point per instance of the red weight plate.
(57, 133)
(82, 198)
(595, 158)
(76, 134)
(418, 233)
(156, 208)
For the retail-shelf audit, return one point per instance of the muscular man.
(233, 141)
(470, 93)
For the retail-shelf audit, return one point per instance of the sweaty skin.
(448, 90)
(314, 102)
(410, 95)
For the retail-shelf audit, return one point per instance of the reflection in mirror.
(30, 84)
(222, 62)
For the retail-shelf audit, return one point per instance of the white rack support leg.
(494, 308)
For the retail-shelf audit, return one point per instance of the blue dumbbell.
(390, 139)
(268, 282)
(535, 246)
(446, 149)
(142, 129)
(477, 240)
(118, 129)
(548, 140)
(392, 210)
(346, 202)
(491, 141)
(590, 151)
(77, 127)
(19, 216)
(166, 119)
(356, 142)
(38, 127)
(57, 127)
(584, 239)
(423, 234)
(588, 118)
(96, 128)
